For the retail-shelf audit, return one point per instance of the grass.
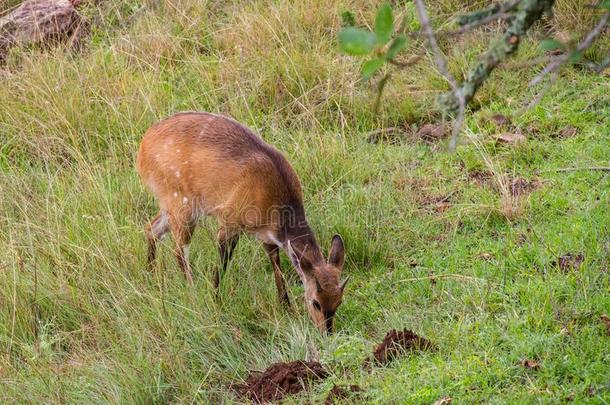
(82, 321)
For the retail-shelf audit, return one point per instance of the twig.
(412, 61)
(575, 169)
(441, 277)
(475, 24)
(541, 93)
(380, 87)
(562, 59)
(599, 67)
(464, 29)
(441, 63)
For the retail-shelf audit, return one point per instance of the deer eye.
(316, 305)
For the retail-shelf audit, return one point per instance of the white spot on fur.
(269, 238)
(177, 173)
(175, 194)
(275, 240)
(185, 200)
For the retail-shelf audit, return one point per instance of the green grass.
(81, 321)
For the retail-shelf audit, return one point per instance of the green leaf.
(551, 45)
(356, 41)
(604, 4)
(371, 66)
(575, 57)
(348, 19)
(384, 23)
(396, 46)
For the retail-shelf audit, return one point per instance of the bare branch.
(462, 30)
(562, 59)
(599, 67)
(575, 169)
(536, 100)
(441, 63)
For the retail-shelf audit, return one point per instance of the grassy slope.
(80, 321)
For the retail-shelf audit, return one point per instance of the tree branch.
(486, 14)
(528, 12)
(441, 63)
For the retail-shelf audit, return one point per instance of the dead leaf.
(443, 401)
(500, 119)
(432, 132)
(606, 320)
(530, 364)
(509, 138)
(590, 391)
(569, 262)
(442, 206)
(486, 256)
(568, 132)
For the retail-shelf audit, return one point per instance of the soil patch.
(520, 186)
(568, 132)
(569, 262)
(500, 120)
(397, 342)
(436, 203)
(480, 177)
(606, 320)
(339, 393)
(279, 380)
(530, 364)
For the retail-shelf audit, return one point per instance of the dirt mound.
(280, 379)
(396, 342)
(339, 393)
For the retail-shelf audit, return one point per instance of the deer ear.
(336, 256)
(299, 261)
(343, 284)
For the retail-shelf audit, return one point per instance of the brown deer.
(200, 163)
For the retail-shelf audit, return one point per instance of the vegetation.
(469, 249)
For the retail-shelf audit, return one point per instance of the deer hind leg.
(155, 231)
(274, 256)
(227, 241)
(182, 224)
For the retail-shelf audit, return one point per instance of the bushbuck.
(199, 163)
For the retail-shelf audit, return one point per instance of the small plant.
(375, 45)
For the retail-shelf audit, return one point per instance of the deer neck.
(302, 239)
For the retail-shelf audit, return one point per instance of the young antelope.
(198, 163)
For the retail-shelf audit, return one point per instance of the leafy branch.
(380, 48)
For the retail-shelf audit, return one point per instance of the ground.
(463, 248)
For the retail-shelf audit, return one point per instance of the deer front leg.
(274, 256)
(227, 241)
